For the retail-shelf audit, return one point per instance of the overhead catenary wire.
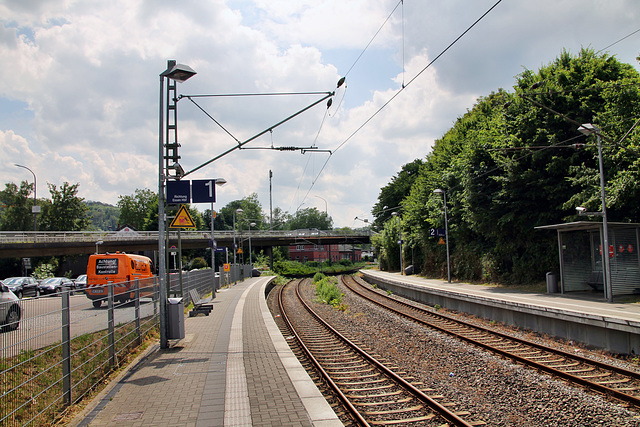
(395, 95)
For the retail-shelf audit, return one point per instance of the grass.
(328, 292)
(32, 385)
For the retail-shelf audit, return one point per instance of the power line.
(618, 41)
(373, 38)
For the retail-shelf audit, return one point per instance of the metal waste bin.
(552, 283)
(175, 318)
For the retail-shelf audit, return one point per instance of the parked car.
(55, 285)
(81, 282)
(23, 286)
(10, 309)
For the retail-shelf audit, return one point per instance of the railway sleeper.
(600, 375)
(370, 396)
(337, 376)
(359, 366)
(352, 359)
(620, 381)
(528, 354)
(566, 365)
(403, 421)
(541, 358)
(356, 383)
(395, 402)
(579, 371)
(363, 389)
(350, 370)
(396, 411)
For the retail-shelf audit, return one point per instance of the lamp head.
(179, 170)
(438, 191)
(220, 181)
(588, 129)
(178, 72)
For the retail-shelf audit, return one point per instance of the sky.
(80, 87)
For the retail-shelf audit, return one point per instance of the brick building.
(321, 253)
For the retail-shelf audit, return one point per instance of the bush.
(198, 263)
(328, 293)
(318, 276)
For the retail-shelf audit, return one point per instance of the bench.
(595, 281)
(199, 305)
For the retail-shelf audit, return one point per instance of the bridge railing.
(7, 237)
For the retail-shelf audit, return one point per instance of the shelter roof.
(586, 226)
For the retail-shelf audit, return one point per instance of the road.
(41, 323)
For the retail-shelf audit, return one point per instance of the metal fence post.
(156, 292)
(111, 327)
(66, 349)
(137, 312)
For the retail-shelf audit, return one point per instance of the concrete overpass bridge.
(50, 243)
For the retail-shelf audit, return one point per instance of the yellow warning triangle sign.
(441, 241)
(182, 219)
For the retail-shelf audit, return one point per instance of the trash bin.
(552, 283)
(175, 318)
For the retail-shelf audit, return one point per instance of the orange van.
(122, 270)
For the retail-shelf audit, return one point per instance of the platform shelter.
(581, 256)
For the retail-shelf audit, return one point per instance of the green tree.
(309, 218)
(392, 194)
(66, 211)
(103, 216)
(15, 207)
(509, 165)
(135, 208)
(251, 212)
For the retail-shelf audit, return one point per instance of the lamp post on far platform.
(399, 240)
(589, 129)
(446, 229)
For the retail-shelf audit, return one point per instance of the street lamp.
(325, 206)
(178, 73)
(251, 224)
(98, 243)
(589, 129)
(214, 246)
(34, 209)
(446, 229)
(235, 275)
(399, 241)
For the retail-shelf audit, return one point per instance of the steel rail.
(625, 397)
(438, 408)
(325, 375)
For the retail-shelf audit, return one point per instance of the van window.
(106, 266)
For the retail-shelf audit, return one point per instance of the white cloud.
(87, 71)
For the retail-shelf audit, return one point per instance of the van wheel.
(19, 294)
(97, 303)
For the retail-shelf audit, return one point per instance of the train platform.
(584, 317)
(233, 368)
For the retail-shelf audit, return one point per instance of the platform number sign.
(203, 190)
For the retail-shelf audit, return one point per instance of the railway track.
(609, 380)
(372, 393)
